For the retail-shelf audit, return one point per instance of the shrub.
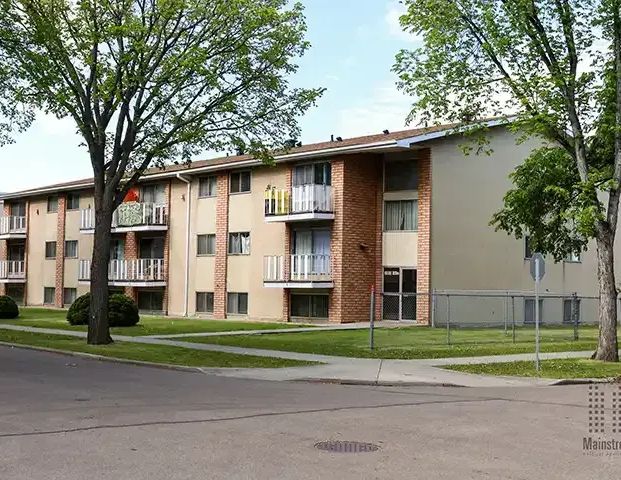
(79, 310)
(8, 307)
(122, 311)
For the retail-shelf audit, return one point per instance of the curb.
(376, 383)
(583, 381)
(103, 358)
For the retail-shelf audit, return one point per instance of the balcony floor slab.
(13, 235)
(299, 217)
(310, 284)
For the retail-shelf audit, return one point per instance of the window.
(18, 209)
(313, 174)
(151, 300)
(573, 257)
(237, 303)
(151, 247)
(208, 186)
(117, 249)
(240, 182)
(16, 292)
(401, 215)
(567, 310)
(400, 175)
(204, 302)
(52, 204)
(239, 243)
(71, 249)
(528, 249)
(73, 201)
(529, 310)
(69, 295)
(153, 194)
(309, 306)
(50, 250)
(49, 294)
(206, 244)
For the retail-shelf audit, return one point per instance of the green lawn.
(149, 325)
(414, 342)
(149, 353)
(565, 368)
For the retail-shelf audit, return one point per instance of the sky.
(354, 43)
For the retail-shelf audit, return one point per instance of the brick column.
(26, 252)
(167, 193)
(131, 253)
(4, 247)
(379, 238)
(336, 241)
(286, 293)
(423, 269)
(60, 250)
(222, 233)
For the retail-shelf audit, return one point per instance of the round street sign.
(537, 258)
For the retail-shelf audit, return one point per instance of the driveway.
(67, 418)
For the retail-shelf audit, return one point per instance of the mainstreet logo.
(603, 426)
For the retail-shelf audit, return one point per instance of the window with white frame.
(319, 173)
(237, 303)
(71, 249)
(69, 295)
(50, 250)
(208, 186)
(206, 244)
(401, 215)
(52, 204)
(204, 302)
(400, 175)
(73, 201)
(49, 295)
(239, 243)
(240, 182)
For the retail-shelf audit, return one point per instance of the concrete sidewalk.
(345, 369)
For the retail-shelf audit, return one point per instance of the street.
(69, 418)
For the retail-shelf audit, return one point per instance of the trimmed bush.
(79, 310)
(8, 307)
(122, 311)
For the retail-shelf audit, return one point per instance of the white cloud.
(393, 12)
(385, 108)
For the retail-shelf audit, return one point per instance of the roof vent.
(386, 132)
(292, 143)
(339, 139)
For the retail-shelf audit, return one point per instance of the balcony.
(303, 203)
(131, 216)
(12, 271)
(307, 271)
(12, 227)
(141, 272)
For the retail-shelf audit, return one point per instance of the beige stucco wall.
(399, 249)
(245, 272)
(177, 245)
(41, 228)
(467, 254)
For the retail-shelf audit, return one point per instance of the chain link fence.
(496, 316)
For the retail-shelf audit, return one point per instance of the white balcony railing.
(302, 199)
(12, 269)
(131, 214)
(136, 270)
(303, 268)
(12, 224)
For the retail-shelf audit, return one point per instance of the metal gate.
(399, 306)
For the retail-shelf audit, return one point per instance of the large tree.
(556, 66)
(148, 82)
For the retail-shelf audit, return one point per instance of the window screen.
(400, 175)
(204, 302)
(49, 293)
(206, 244)
(71, 249)
(52, 204)
(73, 201)
(50, 249)
(239, 243)
(401, 215)
(529, 310)
(240, 182)
(69, 295)
(237, 303)
(208, 186)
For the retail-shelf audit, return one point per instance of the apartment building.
(304, 239)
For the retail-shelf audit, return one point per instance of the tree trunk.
(98, 329)
(607, 349)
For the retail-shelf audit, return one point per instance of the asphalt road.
(68, 418)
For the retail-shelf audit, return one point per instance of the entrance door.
(399, 300)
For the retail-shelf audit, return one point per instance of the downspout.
(186, 281)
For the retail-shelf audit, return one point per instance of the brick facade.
(286, 294)
(423, 269)
(131, 253)
(60, 251)
(222, 233)
(355, 243)
(4, 247)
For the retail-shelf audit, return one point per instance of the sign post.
(537, 271)
(372, 318)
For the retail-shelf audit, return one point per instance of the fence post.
(372, 318)
(506, 311)
(433, 307)
(448, 319)
(513, 317)
(574, 313)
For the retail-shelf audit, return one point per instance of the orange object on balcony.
(132, 195)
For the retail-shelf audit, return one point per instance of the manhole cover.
(346, 447)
